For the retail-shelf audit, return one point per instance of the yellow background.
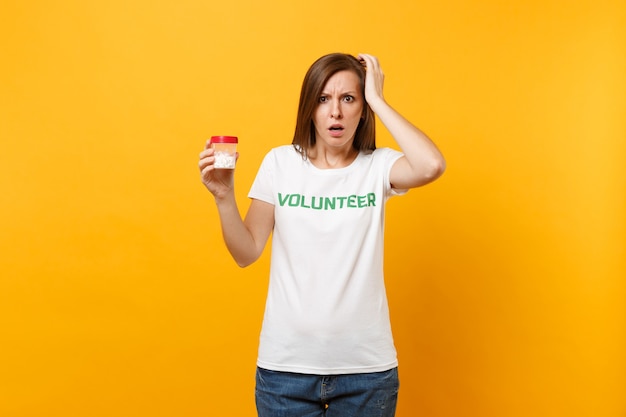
(505, 277)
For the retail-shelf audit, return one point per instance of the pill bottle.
(225, 151)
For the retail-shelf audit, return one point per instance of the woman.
(326, 346)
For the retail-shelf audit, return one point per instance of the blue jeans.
(286, 394)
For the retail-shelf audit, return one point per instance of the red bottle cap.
(224, 139)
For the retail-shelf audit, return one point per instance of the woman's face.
(339, 110)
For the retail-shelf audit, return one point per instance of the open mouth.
(336, 128)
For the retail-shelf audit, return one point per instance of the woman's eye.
(323, 99)
(348, 99)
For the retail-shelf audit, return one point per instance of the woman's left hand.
(374, 78)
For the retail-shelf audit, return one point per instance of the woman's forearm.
(424, 161)
(237, 236)
(245, 239)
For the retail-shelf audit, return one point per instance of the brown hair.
(312, 86)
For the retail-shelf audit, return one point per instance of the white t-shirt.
(326, 310)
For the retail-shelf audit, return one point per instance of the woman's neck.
(328, 158)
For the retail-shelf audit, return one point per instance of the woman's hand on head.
(219, 182)
(374, 78)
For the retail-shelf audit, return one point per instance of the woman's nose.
(336, 111)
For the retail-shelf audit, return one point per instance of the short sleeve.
(263, 186)
(390, 157)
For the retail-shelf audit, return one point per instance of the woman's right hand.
(219, 182)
